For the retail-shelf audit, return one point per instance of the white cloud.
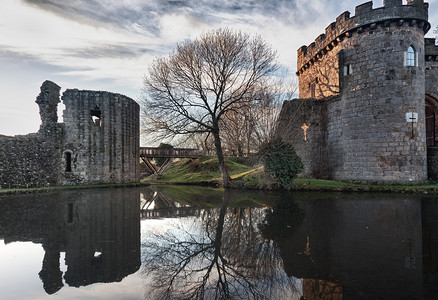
(176, 28)
(108, 44)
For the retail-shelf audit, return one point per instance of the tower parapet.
(414, 13)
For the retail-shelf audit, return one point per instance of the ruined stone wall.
(30, 161)
(102, 137)
(97, 143)
(368, 136)
(34, 160)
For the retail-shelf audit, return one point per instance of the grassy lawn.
(330, 185)
(206, 170)
(201, 170)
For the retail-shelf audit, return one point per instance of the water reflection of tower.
(430, 246)
(99, 231)
(102, 239)
(357, 244)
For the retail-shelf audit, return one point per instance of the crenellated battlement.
(414, 13)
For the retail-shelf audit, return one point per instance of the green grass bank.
(247, 174)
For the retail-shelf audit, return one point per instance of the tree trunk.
(220, 157)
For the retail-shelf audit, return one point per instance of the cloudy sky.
(108, 44)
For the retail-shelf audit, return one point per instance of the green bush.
(281, 161)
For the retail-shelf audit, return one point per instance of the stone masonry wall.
(431, 70)
(321, 64)
(30, 161)
(311, 148)
(416, 13)
(368, 136)
(368, 129)
(431, 66)
(97, 143)
(34, 160)
(105, 149)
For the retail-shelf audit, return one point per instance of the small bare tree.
(267, 109)
(190, 91)
(255, 124)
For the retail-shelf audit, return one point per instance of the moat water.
(177, 242)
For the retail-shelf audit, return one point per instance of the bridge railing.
(172, 152)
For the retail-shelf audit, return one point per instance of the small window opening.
(68, 161)
(410, 60)
(347, 70)
(312, 90)
(96, 116)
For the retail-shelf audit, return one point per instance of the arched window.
(410, 59)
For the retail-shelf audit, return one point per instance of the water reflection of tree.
(225, 257)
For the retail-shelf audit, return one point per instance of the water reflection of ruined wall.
(103, 239)
(79, 224)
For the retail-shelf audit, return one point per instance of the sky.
(108, 44)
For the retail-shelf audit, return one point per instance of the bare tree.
(204, 142)
(190, 91)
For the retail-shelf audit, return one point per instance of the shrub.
(281, 161)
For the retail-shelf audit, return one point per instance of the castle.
(98, 141)
(368, 97)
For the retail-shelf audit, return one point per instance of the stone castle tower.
(97, 142)
(101, 141)
(367, 96)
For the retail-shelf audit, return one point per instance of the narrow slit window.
(68, 161)
(347, 70)
(410, 60)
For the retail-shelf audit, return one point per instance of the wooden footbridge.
(169, 154)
